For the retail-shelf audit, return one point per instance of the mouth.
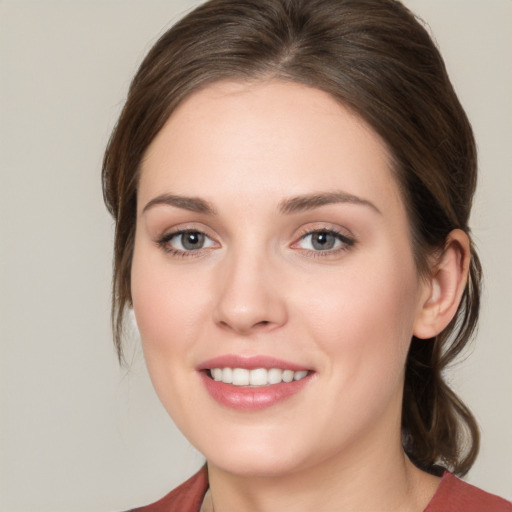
(257, 377)
(253, 383)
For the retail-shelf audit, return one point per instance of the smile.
(257, 377)
(252, 383)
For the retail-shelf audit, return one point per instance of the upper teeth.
(257, 377)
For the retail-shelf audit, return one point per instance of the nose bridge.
(248, 298)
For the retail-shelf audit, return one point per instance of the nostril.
(263, 323)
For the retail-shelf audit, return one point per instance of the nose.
(251, 298)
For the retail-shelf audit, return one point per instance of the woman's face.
(272, 243)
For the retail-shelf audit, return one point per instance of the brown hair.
(376, 58)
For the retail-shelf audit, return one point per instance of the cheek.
(166, 304)
(364, 316)
(363, 323)
(169, 317)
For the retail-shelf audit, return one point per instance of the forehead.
(266, 139)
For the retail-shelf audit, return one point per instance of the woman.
(291, 182)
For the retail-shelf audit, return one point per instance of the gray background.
(79, 434)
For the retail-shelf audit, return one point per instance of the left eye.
(323, 241)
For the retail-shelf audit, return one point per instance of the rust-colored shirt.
(453, 495)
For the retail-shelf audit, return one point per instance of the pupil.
(193, 240)
(323, 241)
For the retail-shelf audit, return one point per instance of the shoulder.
(185, 498)
(454, 495)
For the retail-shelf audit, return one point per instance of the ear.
(444, 287)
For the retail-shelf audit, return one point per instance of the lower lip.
(255, 398)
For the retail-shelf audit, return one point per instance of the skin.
(259, 287)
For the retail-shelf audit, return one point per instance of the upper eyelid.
(324, 227)
(186, 228)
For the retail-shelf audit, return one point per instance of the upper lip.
(250, 363)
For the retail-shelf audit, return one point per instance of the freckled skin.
(259, 288)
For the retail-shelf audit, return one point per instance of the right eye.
(185, 241)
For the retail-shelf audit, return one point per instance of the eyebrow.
(310, 201)
(193, 204)
(288, 206)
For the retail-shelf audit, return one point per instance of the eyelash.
(346, 243)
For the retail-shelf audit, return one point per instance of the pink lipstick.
(252, 383)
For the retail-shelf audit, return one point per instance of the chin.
(249, 453)
(259, 465)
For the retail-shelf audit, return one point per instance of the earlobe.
(444, 286)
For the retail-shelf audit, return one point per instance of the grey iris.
(323, 241)
(192, 240)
